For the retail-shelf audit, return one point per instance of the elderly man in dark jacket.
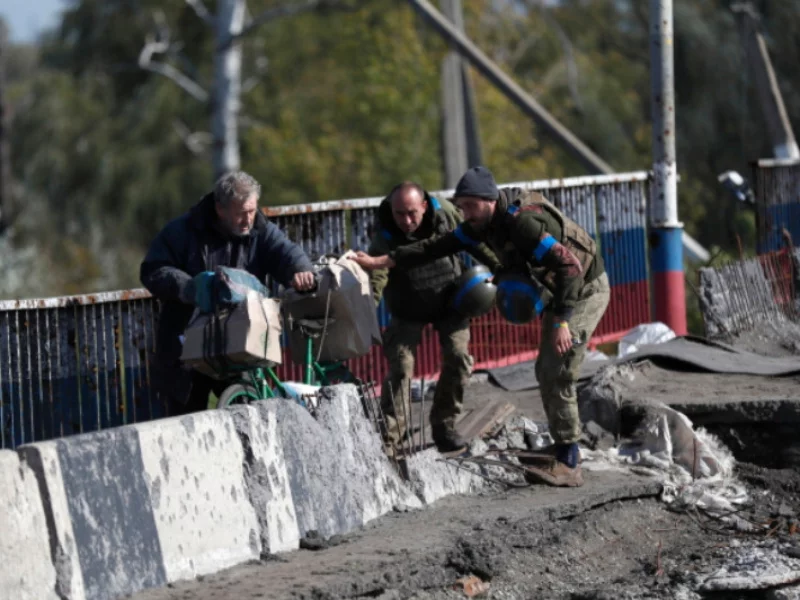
(224, 229)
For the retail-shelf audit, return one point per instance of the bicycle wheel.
(238, 393)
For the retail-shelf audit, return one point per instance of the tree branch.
(197, 142)
(159, 44)
(262, 65)
(201, 11)
(272, 14)
(569, 54)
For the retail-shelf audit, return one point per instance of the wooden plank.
(486, 419)
(474, 423)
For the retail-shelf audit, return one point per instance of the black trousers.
(201, 386)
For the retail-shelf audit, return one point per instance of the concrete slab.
(106, 501)
(338, 473)
(432, 478)
(373, 484)
(43, 460)
(31, 575)
(266, 478)
(194, 473)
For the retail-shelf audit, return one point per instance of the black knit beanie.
(478, 182)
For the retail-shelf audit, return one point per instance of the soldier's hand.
(370, 263)
(562, 338)
(304, 281)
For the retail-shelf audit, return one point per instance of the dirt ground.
(612, 538)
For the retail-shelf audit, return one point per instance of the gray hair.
(235, 186)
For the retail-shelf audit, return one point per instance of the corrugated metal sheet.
(777, 192)
(81, 363)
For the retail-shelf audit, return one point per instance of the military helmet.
(474, 294)
(519, 298)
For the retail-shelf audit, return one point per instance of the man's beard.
(235, 232)
(479, 226)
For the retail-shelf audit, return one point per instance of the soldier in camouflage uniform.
(418, 295)
(530, 235)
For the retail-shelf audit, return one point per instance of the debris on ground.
(313, 540)
(471, 586)
(645, 334)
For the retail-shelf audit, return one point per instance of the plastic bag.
(225, 287)
(644, 335)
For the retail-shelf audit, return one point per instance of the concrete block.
(193, 468)
(266, 479)
(374, 484)
(26, 568)
(98, 503)
(339, 476)
(42, 459)
(432, 478)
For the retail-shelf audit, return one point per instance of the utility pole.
(766, 83)
(666, 232)
(461, 143)
(511, 90)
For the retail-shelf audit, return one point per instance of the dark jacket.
(422, 292)
(515, 236)
(193, 243)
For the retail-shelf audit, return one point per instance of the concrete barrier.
(98, 504)
(28, 572)
(266, 478)
(339, 475)
(103, 515)
(193, 467)
(432, 479)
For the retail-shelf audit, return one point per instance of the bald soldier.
(417, 295)
(531, 237)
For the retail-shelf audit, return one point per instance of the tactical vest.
(573, 236)
(422, 284)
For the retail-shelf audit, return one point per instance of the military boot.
(446, 438)
(562, 469)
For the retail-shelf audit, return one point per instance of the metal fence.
(777, 192)
(744, 295)
(78, 364)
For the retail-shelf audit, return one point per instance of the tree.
(230, 26)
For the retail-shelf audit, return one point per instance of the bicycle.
(262, 383)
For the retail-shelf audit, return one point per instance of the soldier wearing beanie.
(530, 235)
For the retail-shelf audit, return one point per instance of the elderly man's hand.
(370, 263)
(303, 282)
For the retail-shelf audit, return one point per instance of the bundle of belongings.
(236, 326)
(339, 317)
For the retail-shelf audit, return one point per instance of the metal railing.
(777, 191)
(82, 363)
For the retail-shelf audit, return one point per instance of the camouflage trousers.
(400, 342)
(557, 375)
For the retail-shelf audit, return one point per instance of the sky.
(27, 18)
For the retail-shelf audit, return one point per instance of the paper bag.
(247, 335)
(345, 293)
